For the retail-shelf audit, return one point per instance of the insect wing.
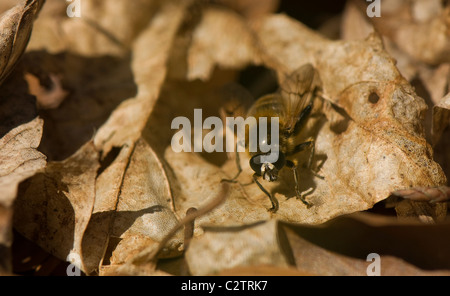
(296, 93)
(235, 102)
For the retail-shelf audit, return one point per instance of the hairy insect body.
(291, 107)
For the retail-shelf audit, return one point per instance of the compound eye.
(281, 161)
(255, 164)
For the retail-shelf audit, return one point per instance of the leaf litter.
(116, 196)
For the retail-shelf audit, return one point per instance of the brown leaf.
(235, 49)
(441, 132)
(103, 28)
(7, 5)
(382, 146)
(433, 194)
(55, 206)
(441, 118)
(149, 68)
(342, 245)
(430, 81)
(418, 28)
(228, 247)
(143, 213)
(263, 270)
(123, 196)
(116, 213)
(19, 160)
(316, 260)
(252, 9)
(16, 25)
(378, 148)
(383, 136)
(46, 99)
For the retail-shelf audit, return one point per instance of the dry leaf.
(433, 194)
(430, 82)
(16, 105)
(316, 260)
(263, 270)
(19, 160)
(356, 26)
(102, 29)
(127, 121)
(441, 132)
(16, 25)
(350, 239)
(234, 49)
(119, 194)
(55, 206)
(441, 118)
(418, 28)
(247, 245)
(252, 9)
(46, 99)
(144, 210)
(118, 219)
(19, 157)
(382, 147)
(384, 139)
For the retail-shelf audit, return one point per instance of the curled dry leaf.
(17, 106)
(419, 28)
(46, 99)
(19, 160)
(16, 25)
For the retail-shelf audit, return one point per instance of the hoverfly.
(292, 105)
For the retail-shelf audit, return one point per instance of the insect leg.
(238, 164)
(311, 158)
(302, 118)
(273, 200)
(307, 145)
(301, 147)
(292, 166)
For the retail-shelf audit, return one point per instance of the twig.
(429, 194)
